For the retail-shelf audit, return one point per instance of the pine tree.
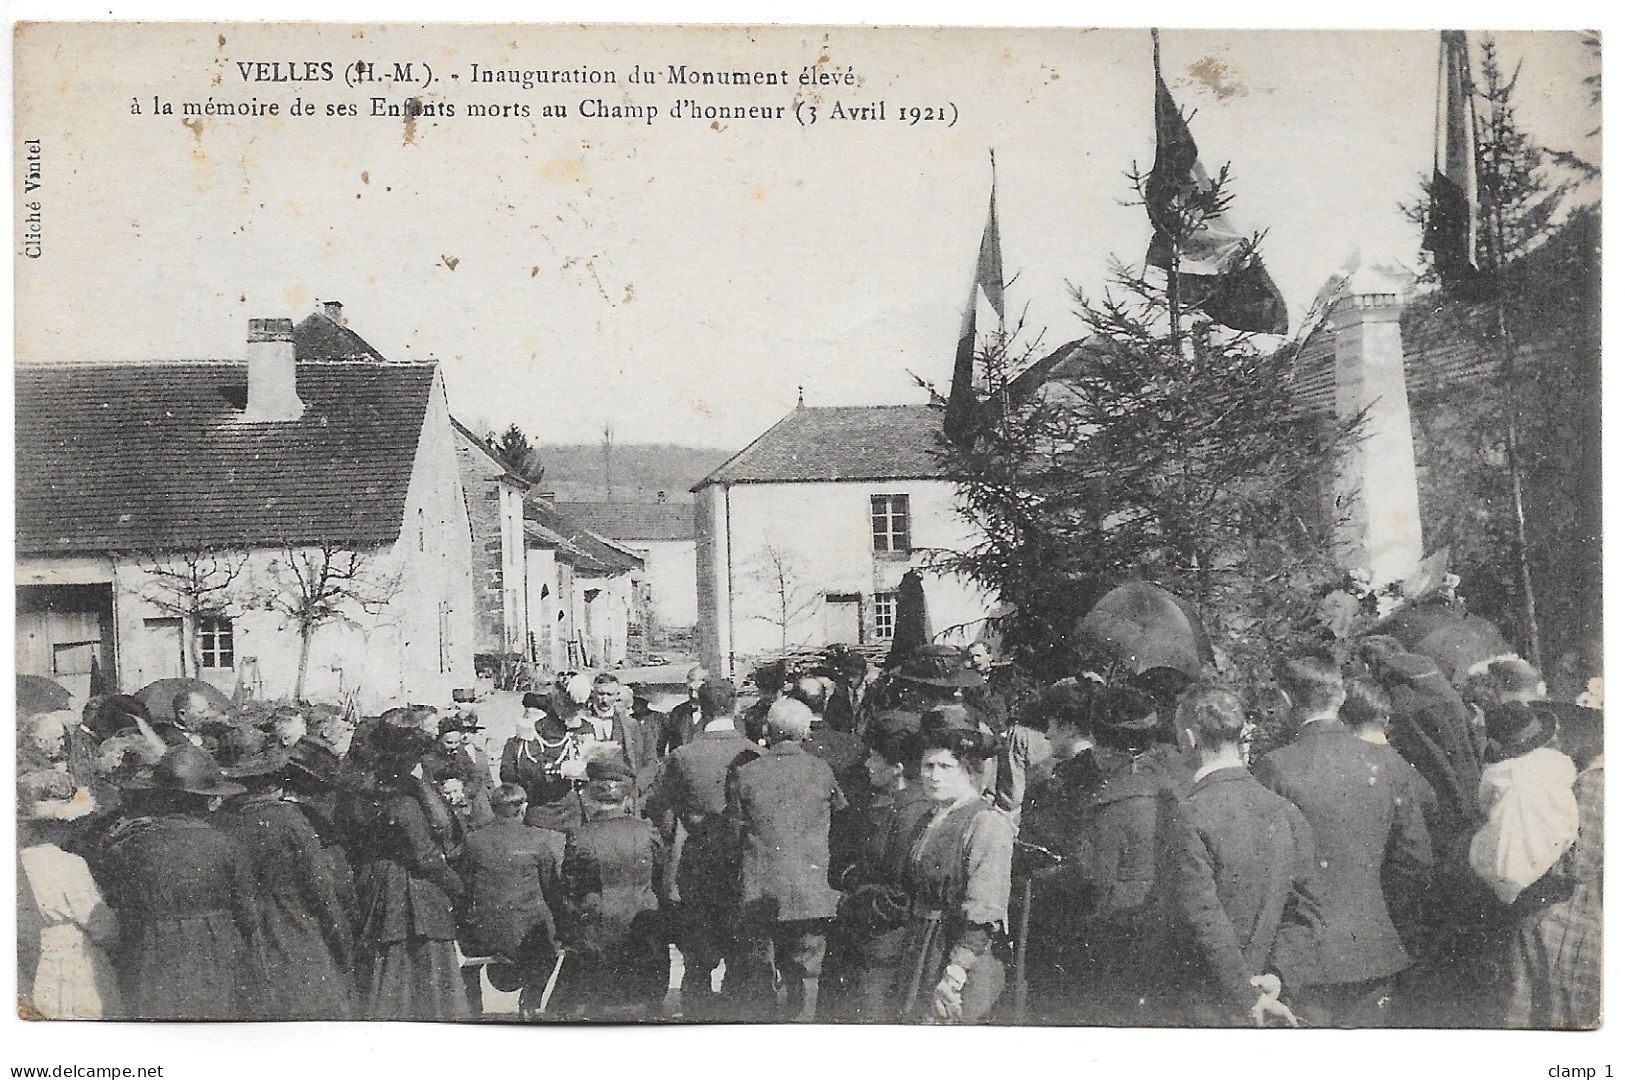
(1474, 485)
(1172, 452)
(514, 448)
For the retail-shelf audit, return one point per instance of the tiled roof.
(633, 521)
(153, 456)
(581, 547)
(851, 442)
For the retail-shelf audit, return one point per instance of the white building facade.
(803, 538)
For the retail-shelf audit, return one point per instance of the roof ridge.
(736, 455)
(332, 361)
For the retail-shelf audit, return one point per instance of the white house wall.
(434, 615)
(418, 648)
(822, 531)
(545, 625)
(668, 567)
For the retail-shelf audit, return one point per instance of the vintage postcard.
(521, 524)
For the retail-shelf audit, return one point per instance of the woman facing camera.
(958, 879)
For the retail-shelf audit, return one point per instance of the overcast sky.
(676, 281)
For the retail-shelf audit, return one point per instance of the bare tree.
(321, 584)
(194, 585)
(790, 595)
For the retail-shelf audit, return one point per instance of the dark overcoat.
(512, 869)
(1360, 803)
(782, 803)
(184, 890)
(1257, 851)
(692, 789)
(304, 932)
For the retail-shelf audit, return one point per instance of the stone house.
(587, 600)
(662, 535)
(168, 512)
(495, 495)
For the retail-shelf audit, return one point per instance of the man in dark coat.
(304, 932)
(684, 721)
(853, 704)
(1359, 801)
(651, 723)
(512, 869)
(691, 793)
(1253, 854)
(610, 923)
(782, 804)
(606, 727)
(846, 754)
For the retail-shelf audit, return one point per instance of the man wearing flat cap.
(616, 962)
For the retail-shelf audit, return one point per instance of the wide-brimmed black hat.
(315, 759)
(1122, 718)
(941, 666)
(534, 700)
(1515, 728)
(271, 761)
(394, 740)
(184, 768)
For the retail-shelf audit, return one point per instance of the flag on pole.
(959, 423)
(1451, 230)
(1218, 270)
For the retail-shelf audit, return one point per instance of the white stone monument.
(1381, 526)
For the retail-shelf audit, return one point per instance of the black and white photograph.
(539, 526)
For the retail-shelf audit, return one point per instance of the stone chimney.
(332, 309)
(1376, 489)
(273, 392)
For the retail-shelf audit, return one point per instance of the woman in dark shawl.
(406, 889)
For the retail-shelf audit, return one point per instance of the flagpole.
(1003, 362)
(1173, 258)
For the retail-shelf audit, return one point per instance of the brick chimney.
(332, 309)
(273, 393)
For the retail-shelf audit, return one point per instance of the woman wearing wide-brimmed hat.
(63, 923)
(406, 951)
(184, 890)
(958, 880)
(304, 932)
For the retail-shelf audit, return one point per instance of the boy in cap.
(616, 962)
(512, 871)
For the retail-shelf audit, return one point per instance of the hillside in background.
(575, 472)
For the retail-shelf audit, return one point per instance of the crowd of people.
(1359, 842)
